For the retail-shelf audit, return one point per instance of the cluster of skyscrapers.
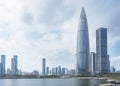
(14, 66)
(54, 71)
(91, 63)
(87, 63)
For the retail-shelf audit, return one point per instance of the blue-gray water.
(50, 82)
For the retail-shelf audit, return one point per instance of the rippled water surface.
(50, 82)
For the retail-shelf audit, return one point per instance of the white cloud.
(50, 37)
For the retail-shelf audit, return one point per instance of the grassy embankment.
(115, 76)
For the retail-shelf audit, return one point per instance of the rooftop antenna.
(82, 3)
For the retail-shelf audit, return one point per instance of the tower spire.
(83, 12)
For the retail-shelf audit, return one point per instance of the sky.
(36, 29)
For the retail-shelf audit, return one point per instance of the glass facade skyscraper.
(102, 57)
(47, 70)
(3, 64)
(59, 70)
(63, 71)
(82, 45)
(0, 68)
(43, 66)
(14, 65)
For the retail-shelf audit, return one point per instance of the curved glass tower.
(82, 45)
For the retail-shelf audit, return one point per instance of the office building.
(102, 58)
(3, 64)
(14, 65)
(82, 66)
(43, 66)
(0, 68)
(63, 71)
(59, 70)
(47, 70)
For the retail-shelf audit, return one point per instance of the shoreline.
(111, 82)
(97, 78)
(105, 84)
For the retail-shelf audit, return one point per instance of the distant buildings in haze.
(54, 71)
(2, 64)
(43, 66)
(14, 66)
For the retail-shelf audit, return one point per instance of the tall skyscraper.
(82, 45)
(0, 68)
(3, 64)
(47, 70)
(59, 70)
(53, 71)
(43, 66)
(102, 57)
(63, 71)
(14, 65)
(56, 69)
(92, 63)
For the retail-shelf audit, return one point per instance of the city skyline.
(43, 28)
(46, 70)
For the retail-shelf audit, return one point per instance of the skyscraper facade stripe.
(82, 45)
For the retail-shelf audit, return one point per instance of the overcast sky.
(36, 29)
